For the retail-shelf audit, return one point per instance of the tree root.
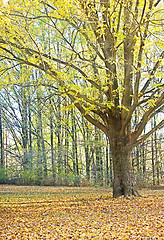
(136, 193)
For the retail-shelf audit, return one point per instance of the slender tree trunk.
(156, 152)
(152, 156)
(74, 144)
(76, 153)
(107, 162)
(30, 133)
(66, 155)
(137, 148)
(94, 167)
(101, 164)
(24, 128)
(43, 147)
(73, 141)
(143, 161)
(59, 131)
(97, 158)
(1, 140)
(52, 142)
(137, 159)
(87, 153)
(52, 150)
(111, 169)
(160, 157)
(87, 161)
(39, 159)
(39, 144)
(5, 148)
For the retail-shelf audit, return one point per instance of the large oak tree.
(109, 63)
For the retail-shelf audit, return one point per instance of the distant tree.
(1, 140)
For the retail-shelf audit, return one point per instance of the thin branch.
(119, 17)
(31, 51)
(87, 116)
(145, 136)
(152, 74)
(77, 28)
(157, 2)
(140, 126)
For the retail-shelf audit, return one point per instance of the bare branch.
(140, 126)
(145, 136)
(87, 116)
(152, 74)
(32, 51)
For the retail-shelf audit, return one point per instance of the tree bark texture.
(122, 167)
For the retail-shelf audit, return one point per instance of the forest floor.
(32, 212)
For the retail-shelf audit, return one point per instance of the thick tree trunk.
(122, 169)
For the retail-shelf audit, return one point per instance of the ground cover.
(33, 212)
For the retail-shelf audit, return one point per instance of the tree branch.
(87, 116)
(140, 126)
(32, 51)
(152, 74)
(145, 136)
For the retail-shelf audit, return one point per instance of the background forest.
(46, 141)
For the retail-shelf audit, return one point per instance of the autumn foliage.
(78, 213)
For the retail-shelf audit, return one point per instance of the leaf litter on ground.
(32, 212)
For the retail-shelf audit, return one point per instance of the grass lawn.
(33, 212)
